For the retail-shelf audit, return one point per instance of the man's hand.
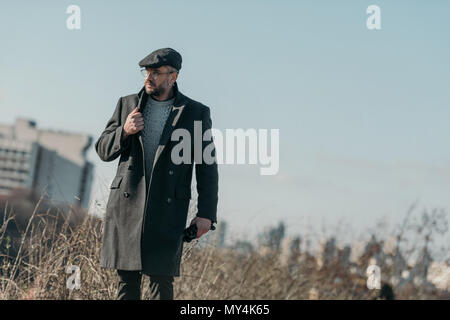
(203, 225)
(133, 124)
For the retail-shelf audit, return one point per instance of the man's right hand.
(133, 124)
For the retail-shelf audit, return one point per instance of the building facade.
(51, 162)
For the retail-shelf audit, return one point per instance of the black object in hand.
(190, 233)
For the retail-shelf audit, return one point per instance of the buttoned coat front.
(143, 224)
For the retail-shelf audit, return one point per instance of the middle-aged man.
(148, 204)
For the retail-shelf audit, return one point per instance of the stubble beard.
(154, 91)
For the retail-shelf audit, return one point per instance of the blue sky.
(363, 115)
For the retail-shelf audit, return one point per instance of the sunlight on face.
(159, 81)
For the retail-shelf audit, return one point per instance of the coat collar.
(180, 103)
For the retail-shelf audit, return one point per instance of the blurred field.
(39, 241)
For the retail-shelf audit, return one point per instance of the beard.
(152, 91)
(155, 91)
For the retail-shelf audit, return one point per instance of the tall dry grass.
(36, 250)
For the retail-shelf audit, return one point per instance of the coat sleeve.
(110, 145)
(207, 176)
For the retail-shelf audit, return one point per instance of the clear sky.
(363, 114)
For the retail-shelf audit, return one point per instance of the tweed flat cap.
(162, 57)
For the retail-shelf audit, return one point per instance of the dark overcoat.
(143, 224)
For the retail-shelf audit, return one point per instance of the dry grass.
(36, 250)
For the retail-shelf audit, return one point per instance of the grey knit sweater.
(155, 115)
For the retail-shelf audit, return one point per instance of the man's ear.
(174, 79)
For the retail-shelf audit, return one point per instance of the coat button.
(170, 172)
(169, 200)
(116, 147)
(126, 194)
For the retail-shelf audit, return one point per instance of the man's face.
(158, 81)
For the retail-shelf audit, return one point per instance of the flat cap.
(162, 57)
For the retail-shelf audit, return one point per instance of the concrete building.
(48, 161)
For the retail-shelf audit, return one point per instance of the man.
(148, 203)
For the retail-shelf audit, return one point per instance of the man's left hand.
(203, 225)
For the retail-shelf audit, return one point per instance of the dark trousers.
(129, 287)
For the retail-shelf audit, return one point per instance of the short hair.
(172, 69)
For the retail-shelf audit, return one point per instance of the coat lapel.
(177, 109)
(142, 101)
